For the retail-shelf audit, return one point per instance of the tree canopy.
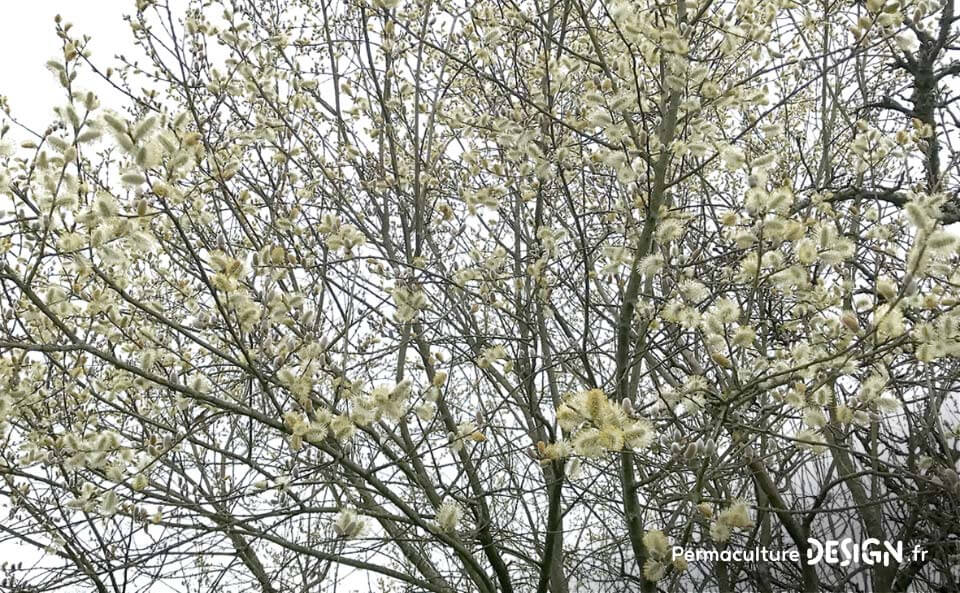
(434, 295)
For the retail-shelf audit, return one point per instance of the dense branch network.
(499, 297)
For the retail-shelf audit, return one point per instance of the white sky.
(28, 40)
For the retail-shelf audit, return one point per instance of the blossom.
(448, 516)
(348, 524)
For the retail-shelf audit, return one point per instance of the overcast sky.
(28, 40)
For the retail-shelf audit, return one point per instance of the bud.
(721, 359)
(709, 447)
(850, 321)
(132, 178)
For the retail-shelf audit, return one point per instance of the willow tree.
(428, 295)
